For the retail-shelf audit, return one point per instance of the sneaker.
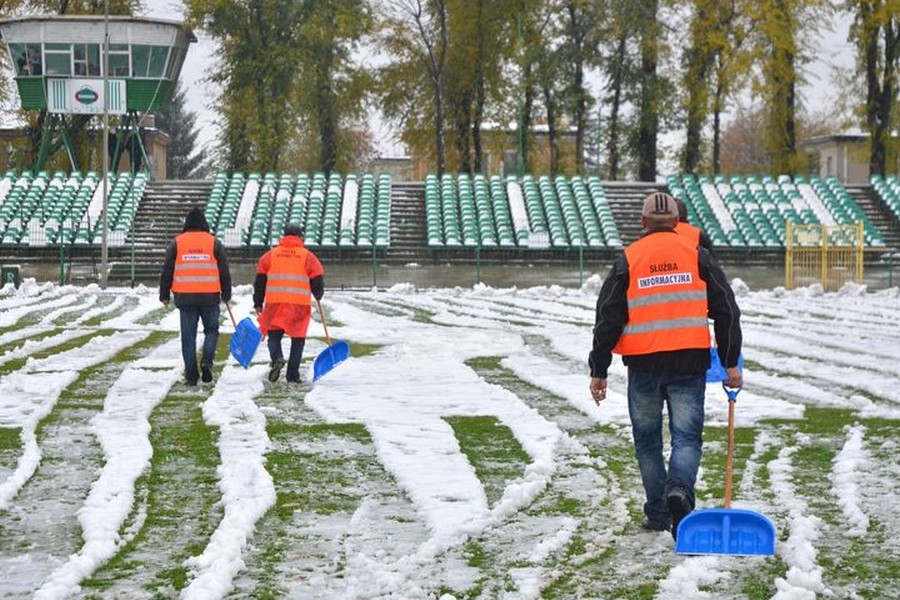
(648, 525)
(190, 382)
(205, 374)
(275, 371)
(679, 507)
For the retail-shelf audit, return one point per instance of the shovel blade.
(245, 341)
(731, 531)
(329, 358)
(716, 371)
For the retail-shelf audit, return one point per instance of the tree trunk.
(478, 113)
(580, 117)
(580, 108)
(525, 125)
(439, 152)
(697, 84)
(880, 88)
(618, 82)
(436, 71)
(461, 127)
(476, 126)
(649, 109)
(717, 128)
(328, 128)
(550, 102)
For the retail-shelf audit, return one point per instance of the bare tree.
(418, 34)
(877, 33)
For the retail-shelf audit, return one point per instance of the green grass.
(360, 350)
(492, 450)
(185, 457)
(328, 474)
(315, 481)
(321, 471)
(10, 447)
(9, 439)
(76, 342)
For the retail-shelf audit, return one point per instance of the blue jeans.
(683, 397)
(293, 363)
(190, 316)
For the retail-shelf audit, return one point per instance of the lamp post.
(521, 145)
(104, 217)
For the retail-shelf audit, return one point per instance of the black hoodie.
(195, 221)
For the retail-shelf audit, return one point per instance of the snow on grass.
(247, 488)
(845, 475)
(123, 430)
(804, 576)
(546, 530)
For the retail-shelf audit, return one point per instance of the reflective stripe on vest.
(196, 267)
(689, 231)
(286, 281)
(667, 306)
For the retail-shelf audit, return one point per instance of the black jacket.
(612, 315)
(195, 221)
(706, 242)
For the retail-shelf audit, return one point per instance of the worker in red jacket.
(288, 277)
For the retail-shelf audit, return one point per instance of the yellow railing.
(829, 254)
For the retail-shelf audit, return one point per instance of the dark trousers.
(190, 316)
(293, 364)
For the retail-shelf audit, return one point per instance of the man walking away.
(287, 278)
(653, 310)
(695, 234)
(196, 271)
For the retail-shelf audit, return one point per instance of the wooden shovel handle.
(228, 306)
(729, 457)
(324, 326)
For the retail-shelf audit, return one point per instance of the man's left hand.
(735, 377)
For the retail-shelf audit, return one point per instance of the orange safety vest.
(287, 281)
(667, 307)
(686, 229)
(196, 267)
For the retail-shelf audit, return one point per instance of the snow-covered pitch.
(456, 454)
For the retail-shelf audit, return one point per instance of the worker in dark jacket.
(695, 234)
(287, 278)
(196, 271)
(653, 310)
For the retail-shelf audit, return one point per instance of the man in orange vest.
(652, 309)
(196, 271)
(695, 234)
(288, 277)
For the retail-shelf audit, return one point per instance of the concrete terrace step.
(878, 214)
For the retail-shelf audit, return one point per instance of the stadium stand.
(888, 190)
(445, 215)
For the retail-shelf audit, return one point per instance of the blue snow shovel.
(245, 340)
(331, 356)
(726, 530)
